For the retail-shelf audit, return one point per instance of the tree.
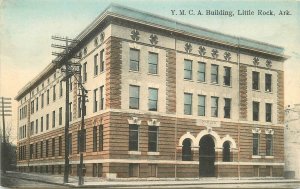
(7, 151)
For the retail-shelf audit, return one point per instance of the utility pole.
(6, 111)
(83, 108)
(63, 61)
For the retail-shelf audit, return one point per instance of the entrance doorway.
(207, 157)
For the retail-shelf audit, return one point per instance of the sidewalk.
(102, 183)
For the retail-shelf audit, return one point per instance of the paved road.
(8, 182)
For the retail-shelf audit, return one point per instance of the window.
(42, 124)
(255, 107)
(60, 88)
(214, 73)
(134, 97)
(37, 104)
(53, 147)
(152, 138)
(41, 149)
(100, 138)
(227, 76)
(133, 137)
(226, 151)
(31, 151)
(186, 150)
(268, 112)
(82, 141)
(70, 143)
(96, 65)
(201, 105)
(188, 69)
(47, 147)
(152, 170)
(214, 106)
(54, 92)
(36, 150)
(53, 119)
(201, 71)
(36, 126)
(255, 80)
(84, 73)
(227, 108)
(134, 59)
(97, 169)
(42, 103)
(268, 82)
(70, 111)
(255, 144)
(79, 106)
(32, 128)
(60, 116)
(32, 107)
(70, 84)
(153, 62)
(152, 101)
(95, 139)
(101, 103)
(188, 103)
(102, 60)
(95, 101)
(47, 121)
(269, 145)
(48, 100)
(134, 170)
(59, 145)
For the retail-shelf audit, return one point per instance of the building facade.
(166, 99)
(291, 141)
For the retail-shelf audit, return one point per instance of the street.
(9, 182)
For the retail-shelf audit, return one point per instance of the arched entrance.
(207, 156)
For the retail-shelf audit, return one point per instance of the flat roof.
(142, 17)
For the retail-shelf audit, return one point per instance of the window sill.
(190, 80)
(203, 82)
(256, 157)
(134, 71)
(217, 84)
(153, 153)
(153, 74)
(134, 152)
(228, 86)
(256, 90)
(269, 157)
(269, 92)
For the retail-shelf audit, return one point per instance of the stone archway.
(207, 156)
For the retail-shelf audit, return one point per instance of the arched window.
(186, 150)
(226, 151)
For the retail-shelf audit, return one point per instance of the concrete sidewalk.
(102, 183)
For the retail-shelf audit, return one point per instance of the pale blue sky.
(27, 26)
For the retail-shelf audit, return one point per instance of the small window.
(269, 145)
(188, 69)
(153, 97)
(186, 150)
(226, 151)
(214, 106)
(95, 64)
(201, 105)
(134, 97)
(47, 121)
(100, 145)
(102, 60)
(153, 62)
(48, 98)
(36, 126)
(152, 138)
(188, 103)
(84, 73)
(95, 109)
(268, 82)
(134, 170)
(255, 144)
(60, 88)
(268, 112)
(255, 80)
(133, 137)
(134, 59)
(227, 76)
(201, 71)
(59, 145)
(152, 170)
(42, 124)
(53, 119)
(53, 147)
(70, 144)
(37, 104)
(255, 107)
(60, 116)
(95, 138)
(214, 73)
(54, 93)
(101, 103)
(42, 103)
(227, 108)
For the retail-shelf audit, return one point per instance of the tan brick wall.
(243, 92)
(171, 82)
(113, 66)
(280, 97)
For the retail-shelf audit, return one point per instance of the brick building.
(166, 99)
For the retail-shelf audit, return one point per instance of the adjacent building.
(166, 99)
(291, 141)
